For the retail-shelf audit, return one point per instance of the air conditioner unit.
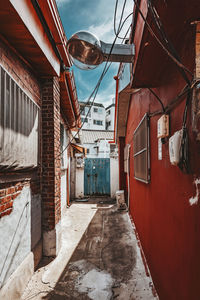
(120, 199)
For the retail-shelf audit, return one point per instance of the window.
(108, 124)
(84, 120)
(88, 151)
(83, 111)
(95, 109)
(19, 122)
(97, 122)
(126, 158)
(141, 151)
(86, 112)
(63, 146)
(108, 112)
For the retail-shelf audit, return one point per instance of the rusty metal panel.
(19, 121)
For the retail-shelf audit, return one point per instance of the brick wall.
(22, 73)
(8, 193)
(51, 173)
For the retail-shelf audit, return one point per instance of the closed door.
(97, 176)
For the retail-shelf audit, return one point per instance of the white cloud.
(62, 2)
(104, 31)
(106, 93)
(104, 27)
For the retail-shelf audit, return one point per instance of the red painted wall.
(168, 226)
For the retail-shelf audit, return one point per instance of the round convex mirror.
(85, 48)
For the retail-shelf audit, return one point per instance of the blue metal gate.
(97, 176)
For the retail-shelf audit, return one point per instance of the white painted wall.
(15, 235)
(72, 178)
(19, 233)
(79, 183)
(63, 190)
(114, 176)
(103, 151)
(65, 165)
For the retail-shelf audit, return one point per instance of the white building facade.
(95, 119)
(110, 117)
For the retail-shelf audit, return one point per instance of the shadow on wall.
(15, 236)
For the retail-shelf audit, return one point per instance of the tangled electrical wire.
(169, 49)
(93, 95)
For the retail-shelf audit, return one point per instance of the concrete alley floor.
(100, 259)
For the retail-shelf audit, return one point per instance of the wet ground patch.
(103, 260)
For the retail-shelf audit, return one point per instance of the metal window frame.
(126, 158)
(144, 149)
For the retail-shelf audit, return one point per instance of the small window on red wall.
(141, 151)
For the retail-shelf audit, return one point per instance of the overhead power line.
(95, 90)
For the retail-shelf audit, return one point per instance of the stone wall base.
(52, 241)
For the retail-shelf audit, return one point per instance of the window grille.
(19, 121)
(141, 151)
(95, 109)
(97, 122)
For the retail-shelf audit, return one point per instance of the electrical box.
(175, 146)
(163, 127)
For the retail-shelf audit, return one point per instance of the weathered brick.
(18, 188)
(15, 195)
(51, 152)
(6, 212)
(2, 193)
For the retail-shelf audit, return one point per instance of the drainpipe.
(116, 107)
(128, 174)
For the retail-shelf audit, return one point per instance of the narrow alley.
(99, 150)
(106, 264)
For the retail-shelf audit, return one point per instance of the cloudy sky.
(95, 16)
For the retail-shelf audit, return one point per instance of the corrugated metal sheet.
(19, 120)
(90, 136)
